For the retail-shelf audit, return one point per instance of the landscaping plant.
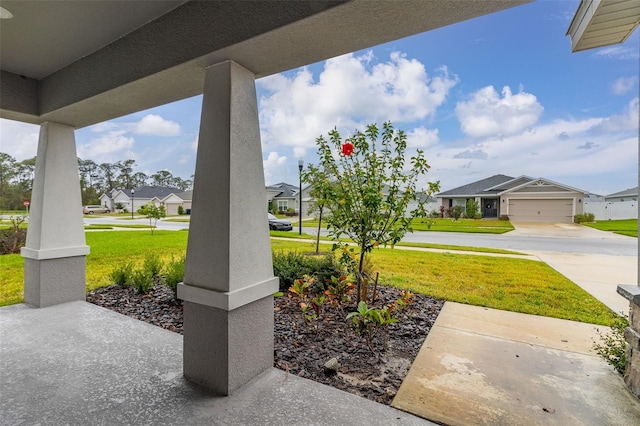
(153, 213)
(612, 346)
(13, 238)
(174, 274)
(371, 186)
(122, 274)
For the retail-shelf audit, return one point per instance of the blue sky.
(498, 94)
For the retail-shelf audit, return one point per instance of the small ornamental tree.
(321, 189)
(153, 213)
(369, 186)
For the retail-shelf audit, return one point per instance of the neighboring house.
(307, 201)
(284, 195)
(626, 195)
(522, 199)
(170, 198)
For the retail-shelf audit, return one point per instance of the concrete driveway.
(562, 230)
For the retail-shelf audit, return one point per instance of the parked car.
(95, 209)
(276, 224)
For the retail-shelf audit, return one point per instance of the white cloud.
(618, 52)
(422, 138)
(627, 121)
(109, 148)
(273, 168)
(568, 151)
(350, 92)
(153, 124)
(19, 140)
(487, 113)
(623, 85)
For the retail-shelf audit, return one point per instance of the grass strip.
(627, 227)
(472, 226)
(326, 240)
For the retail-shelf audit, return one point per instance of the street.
(607, 244)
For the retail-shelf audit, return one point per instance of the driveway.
(561, 230)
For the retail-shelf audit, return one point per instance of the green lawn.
(449, 225)
(502, 283)
(625, 227)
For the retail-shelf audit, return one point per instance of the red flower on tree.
(347, 148)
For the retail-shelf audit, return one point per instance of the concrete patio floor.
(481, 366)
(79, 364)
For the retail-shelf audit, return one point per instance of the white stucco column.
(55, 250)
(228, 282)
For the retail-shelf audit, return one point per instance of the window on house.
(283, 205)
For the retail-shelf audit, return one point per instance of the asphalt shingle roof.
(288, 191)
(625, 193)
(478, 187)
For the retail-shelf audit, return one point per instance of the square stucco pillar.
(228, 281)
(55, 250)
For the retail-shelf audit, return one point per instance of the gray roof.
(626, 193)
(186, 195)
(478, 187)
(286, 190)
(153, 191)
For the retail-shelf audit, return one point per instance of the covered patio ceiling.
(81, 63)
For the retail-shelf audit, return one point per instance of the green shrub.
(584, 217)
(122, 274)
(291, 266)
(472, 209)
(142, 281)
(152, 264)
(180, 210)
(612, 346)
(456, 212)
(174, 274)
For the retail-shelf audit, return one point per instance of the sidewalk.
(481, 366)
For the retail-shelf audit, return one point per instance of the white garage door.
(556, 211)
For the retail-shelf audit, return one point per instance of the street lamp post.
(300, 165)
(132, 192)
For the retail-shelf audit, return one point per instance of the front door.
(489, 207)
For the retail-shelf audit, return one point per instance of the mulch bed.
(302, 348)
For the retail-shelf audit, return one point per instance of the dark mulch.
(301, 348)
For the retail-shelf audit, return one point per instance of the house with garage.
(282, 197)
(132, 200)
(521, 199)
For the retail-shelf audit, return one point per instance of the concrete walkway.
(599, 275)
(481, 366)
(79, 364)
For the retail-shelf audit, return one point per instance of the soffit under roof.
(80, 63)
(599, 23)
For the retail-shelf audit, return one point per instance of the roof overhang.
(539, 181)
(84, 62)
(599, 23)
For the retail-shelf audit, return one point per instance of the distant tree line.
(16, 180)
